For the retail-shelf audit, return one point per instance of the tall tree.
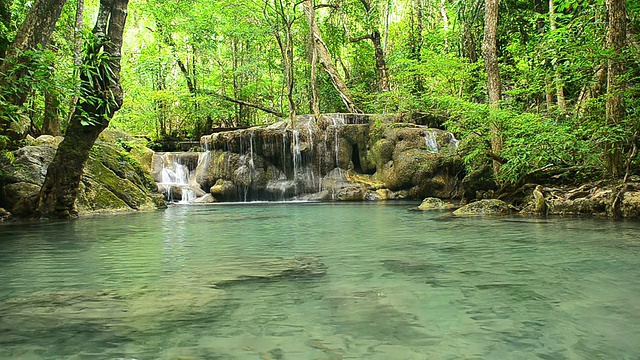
(34, 33)
(494, 84)
(616, 41)
(101, 97)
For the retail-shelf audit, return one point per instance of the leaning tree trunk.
(35, 31)
(494, 85)
(325, 58)
(616, 40)
(101, 97)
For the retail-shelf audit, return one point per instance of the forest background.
(530, 86)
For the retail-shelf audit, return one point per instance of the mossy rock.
(492, 207)
(435, 204)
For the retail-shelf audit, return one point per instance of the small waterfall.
(453, 141)
(431, 142)
(177, 178)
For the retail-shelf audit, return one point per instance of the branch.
(246, 103)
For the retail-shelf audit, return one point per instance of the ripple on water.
(245, 281)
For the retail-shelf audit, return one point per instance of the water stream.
(399, 284)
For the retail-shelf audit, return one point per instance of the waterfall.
(177, 178)
(431, 141)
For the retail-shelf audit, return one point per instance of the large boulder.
(113, 179)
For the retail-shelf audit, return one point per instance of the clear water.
(398, 285)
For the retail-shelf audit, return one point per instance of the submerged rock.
(265, 270)
(485, 207)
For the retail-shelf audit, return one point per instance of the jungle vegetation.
(532, 87)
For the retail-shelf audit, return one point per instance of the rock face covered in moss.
(334, 157)
(114, 179)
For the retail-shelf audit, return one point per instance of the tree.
(616, 42)
(494, 85)
(100, 97)
(33, 35)
(325, 58)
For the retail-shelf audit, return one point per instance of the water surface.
(394, 284)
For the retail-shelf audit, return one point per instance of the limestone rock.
(223, 190)
(485, 207)
(112, 180)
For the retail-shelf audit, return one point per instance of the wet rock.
(485, 207)
(435, 204)
(224, 190)
(298, 158)
(205, 199)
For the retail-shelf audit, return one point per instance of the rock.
(48, 140)
(4, 214)
(205, 199)
(435, 204)
(29, 165)
(630, 205)
(485, 207)
(224, 190)
(16, 191)
(112, 180)
(303, 157)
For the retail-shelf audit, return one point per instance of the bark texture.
(616, 39)
(325, 59)
(494, 84)
(101, 98)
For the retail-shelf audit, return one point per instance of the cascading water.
(431, 142)
(177, 178)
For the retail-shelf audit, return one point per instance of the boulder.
(485, 207)
(224, 190)
(112, 180)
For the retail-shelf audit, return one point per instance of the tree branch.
(246, 103)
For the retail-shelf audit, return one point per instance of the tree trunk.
(559, 83)
(494, 85)
(5, 20)
(381, 63)
(376, 40)
(616, 41)
(325, 58)
(286, 46)
(101, 97)
(35, 31)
